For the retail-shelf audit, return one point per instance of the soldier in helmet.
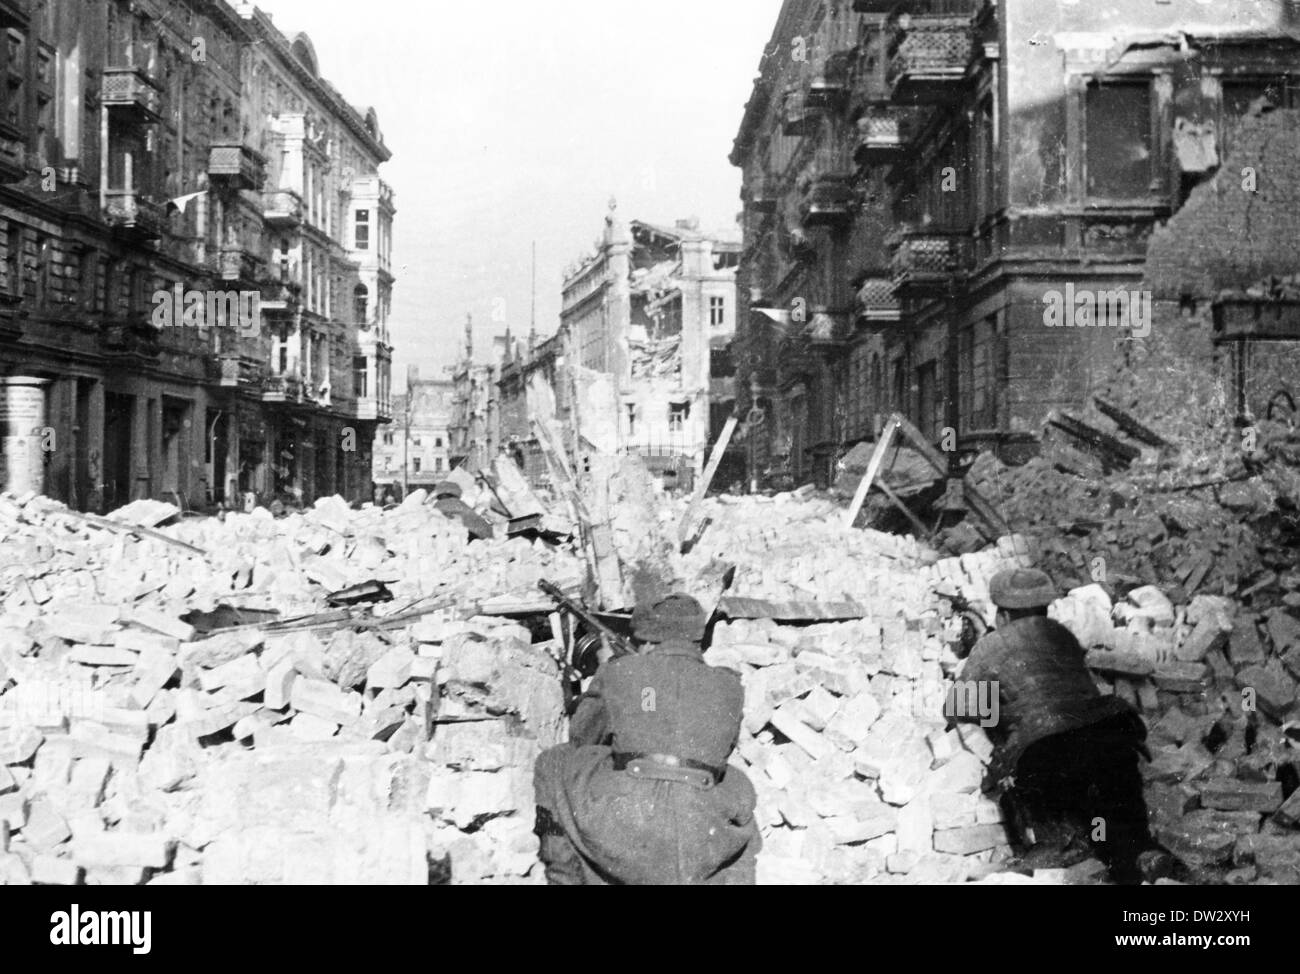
(642, 793)
(1065, 758)
(446, 498)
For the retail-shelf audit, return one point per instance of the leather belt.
(645, 764)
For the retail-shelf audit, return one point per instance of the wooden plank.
(738, 607)
(1111, 450)
(984, 511)
(715, 459)
(907, 511)
(1127, 423)
(873, 468)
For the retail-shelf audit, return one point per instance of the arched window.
(359, 298)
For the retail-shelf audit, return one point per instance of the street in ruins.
(879, 467)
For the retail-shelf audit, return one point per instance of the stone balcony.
(927, 261)
(282, 208)
(236, 165)
(798, 117)
(764, 196)
(829, 202)
(830, 81)
(929, 58)
(237, 264)
(282, 388)
(132, 93)
(13, 154)
(130, 212)
(882, 137)
(877, 303)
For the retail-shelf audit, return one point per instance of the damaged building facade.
(949, 207)
(188, 148)
(646, 323)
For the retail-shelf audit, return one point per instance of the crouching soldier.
(642, 793)
(1065, 757)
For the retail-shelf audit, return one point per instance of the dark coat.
(1043, 688)
(644, 830)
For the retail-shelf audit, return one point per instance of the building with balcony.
(414, 450)
(996, 152)
(131, 163)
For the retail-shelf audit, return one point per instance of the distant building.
(654, 309)
(525, 366)
(474, 421)
(414, 450)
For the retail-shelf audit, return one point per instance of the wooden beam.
(897, 501)
(887, 434)
(715, 459)
(1128, 424)
(985, 512)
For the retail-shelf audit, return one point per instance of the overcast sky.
(517, 121)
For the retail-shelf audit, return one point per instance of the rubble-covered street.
(153, 733)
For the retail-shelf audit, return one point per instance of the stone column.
(23, 434)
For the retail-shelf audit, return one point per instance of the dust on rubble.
(137, 749)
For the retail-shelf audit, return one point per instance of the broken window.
(1119, 140)
(678, 413)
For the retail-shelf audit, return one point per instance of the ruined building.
(188, 149)
(949, 206)
(474, 423)
(414, 450)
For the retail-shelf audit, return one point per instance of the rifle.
(582, 657)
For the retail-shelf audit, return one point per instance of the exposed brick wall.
(1227, 237)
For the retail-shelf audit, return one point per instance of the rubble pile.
(1187, 601)
(843, 733)
(137, 746)
(1217, 686)
(1141, 527)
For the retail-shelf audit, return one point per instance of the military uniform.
(642, 793)
(1065, 756)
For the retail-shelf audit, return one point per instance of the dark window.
(359, 376)
(1119, 141)
(678, 414)
(87, 274)
(359, 304)
(717, 311)
(14, 259)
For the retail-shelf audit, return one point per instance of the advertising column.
(23, 434)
